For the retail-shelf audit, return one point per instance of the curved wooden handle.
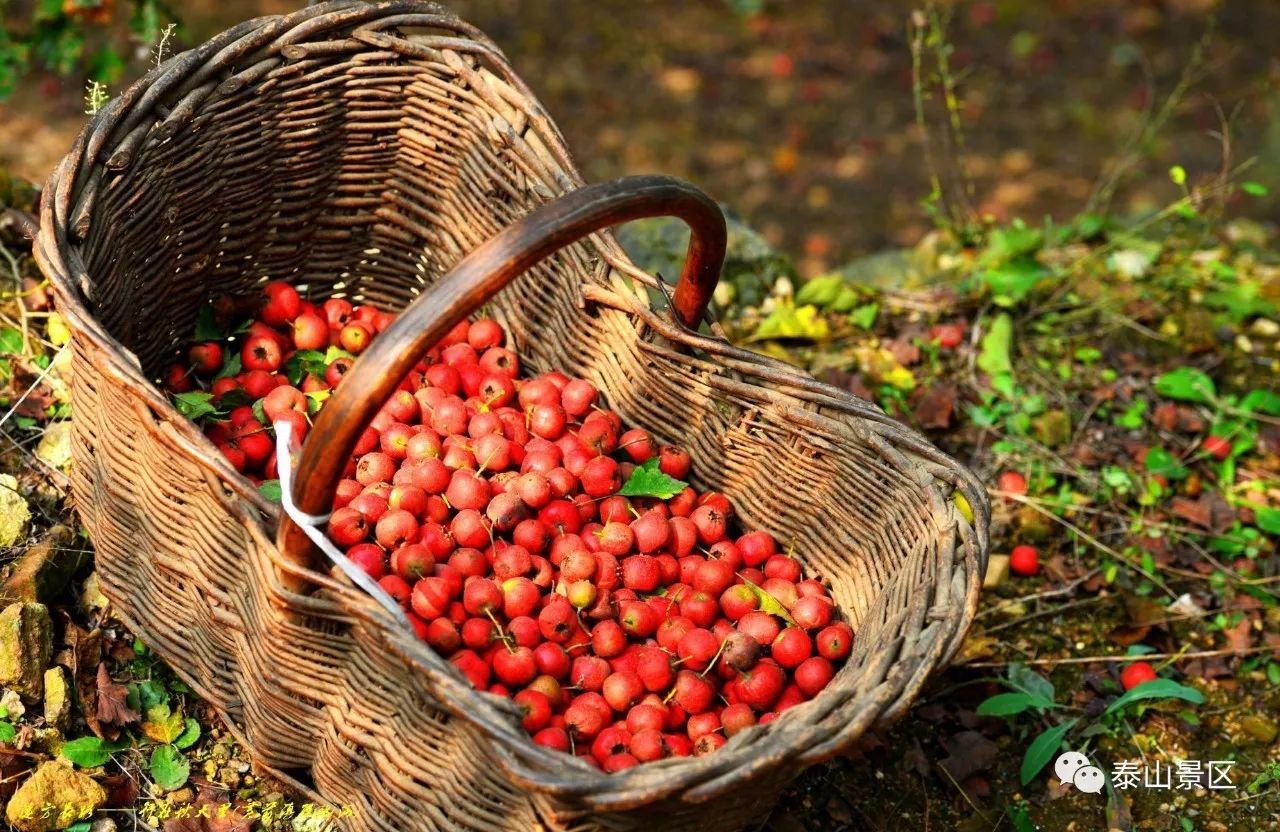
(544, 231)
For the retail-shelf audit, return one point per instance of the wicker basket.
(370, 151)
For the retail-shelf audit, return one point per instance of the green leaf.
(303, 362)
(1013, 281)
(190, 733)
(1008, 704)
(994, 359)
(1267, 519)
(260, 414)
(845, 301)
(80, 826)
(1186, 384)
(769, 604)
(231, 366)
(790, 321)
(1261, 401)
(86, 752)
(1028, 681)
(195, 405)
(820, 291)
(648, 481)
(864, 317)
(151, 693)
(1015, 241)
(162, 725)
(1043, 749)
(1254, 188)
(1020, 816)
(169, 768)
(10, 340)
(207, 328)
(1178, 174)
(334, 353)
(7, 731)
(1161, 462)
(316, 400)
(1156, 689)
(270, 489)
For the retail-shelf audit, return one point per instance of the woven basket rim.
(802, 736)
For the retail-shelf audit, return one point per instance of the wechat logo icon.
(1074, 768)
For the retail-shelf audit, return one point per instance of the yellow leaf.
(57, 329)
(962, 503)
(901, 378)
(167, 727)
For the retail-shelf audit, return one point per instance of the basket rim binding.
(183, 82)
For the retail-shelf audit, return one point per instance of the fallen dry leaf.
(970, 752)
(936, 406)
(113, 706)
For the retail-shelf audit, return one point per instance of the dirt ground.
(802, 118)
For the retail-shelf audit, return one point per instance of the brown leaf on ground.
(1165, 416)
(847, 381)
(1209, 511)
(1240, 637)
(904, 351)
(12, 767)
(1125, 635)
(86, 653)
(970, 752)
(122, 790)
(113, 706)
(936, 406)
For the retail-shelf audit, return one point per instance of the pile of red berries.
(549, 554)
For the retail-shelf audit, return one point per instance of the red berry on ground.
(1024, 560)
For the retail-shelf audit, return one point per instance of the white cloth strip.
(311, 523)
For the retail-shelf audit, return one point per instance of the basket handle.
(545, 230)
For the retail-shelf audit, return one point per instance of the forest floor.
(1110, 372)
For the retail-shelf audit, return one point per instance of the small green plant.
(1030, 692)
(88, 39)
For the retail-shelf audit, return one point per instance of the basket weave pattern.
(361, 150)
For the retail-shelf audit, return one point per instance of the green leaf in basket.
(207, 327)
(1043, 749)
(195, 405)
(169, 768)
(271, 490)
(259, 413)
(304, 362)
(231, 366)
(769, 604)
(334, 353)
(316, 400)
(648, 481)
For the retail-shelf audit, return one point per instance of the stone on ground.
(54, 797)
(26, 643)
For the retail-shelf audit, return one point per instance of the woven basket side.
(349, 160)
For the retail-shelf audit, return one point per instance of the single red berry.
(1136, 674)
(1218, 447)
(1011, 482)
(1024, 560)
